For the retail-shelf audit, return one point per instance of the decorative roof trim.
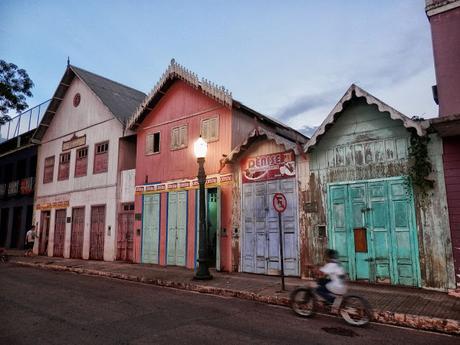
(356, 91)
(252, 137)
(177, 71)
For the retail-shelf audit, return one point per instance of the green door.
(371, 224)
(177, 228)
(151, 229)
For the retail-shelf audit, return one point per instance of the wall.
(380, 147)
(93, 119)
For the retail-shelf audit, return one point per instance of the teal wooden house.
(360, 201)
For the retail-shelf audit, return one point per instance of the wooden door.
(177, 228)
(77, 233)
(59, 233)
(151, 229)
(44, 232)
(97, 233)
(125, 236)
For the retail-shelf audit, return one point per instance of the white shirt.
(334, 271)
(30, 236)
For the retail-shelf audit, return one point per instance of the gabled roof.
(120, 99)
(220, 94)
(355, 91)
(256, 135)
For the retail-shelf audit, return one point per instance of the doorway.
(59, 233)
(44, 232)
(125, 233)
(97, 233)
(177, 228)
(151, 228)
(76, 236)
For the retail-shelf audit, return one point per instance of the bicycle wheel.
(303, 302)
(355, 310)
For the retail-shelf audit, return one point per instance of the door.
(59, 233)
(151, 229)
(371, 224)
(125, 236)
(177, 228)
(261, 246)
(77, 233)
(96, 248)
(44, 232)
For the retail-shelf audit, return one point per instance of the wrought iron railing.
(23, 122)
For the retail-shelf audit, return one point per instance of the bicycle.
(355, 310)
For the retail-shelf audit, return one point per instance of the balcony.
(13, 188)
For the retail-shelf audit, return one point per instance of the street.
(45, 307)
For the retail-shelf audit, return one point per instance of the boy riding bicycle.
(332, 278)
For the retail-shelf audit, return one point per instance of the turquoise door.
(371, 224)
(177, 228)
(151, 229)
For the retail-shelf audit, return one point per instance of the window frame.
(77, 159)
(178, 128)
(59, 178)
(152, 152)
(47, 166)
(96, 145)
(216, 138)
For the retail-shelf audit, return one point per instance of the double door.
(177, 229)
(97, 233)
(261, 239)
(372, 225)
(151, 229)
(125, 236)
(77, 232)
(59, 233)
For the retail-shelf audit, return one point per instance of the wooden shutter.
(48, 170)
(101, 158)
(149, 143)
(81, 162)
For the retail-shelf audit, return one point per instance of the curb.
(420, 322)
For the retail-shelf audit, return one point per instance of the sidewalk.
(408, 307)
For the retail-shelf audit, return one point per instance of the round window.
(76, 100)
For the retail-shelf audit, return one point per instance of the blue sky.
(289, 59)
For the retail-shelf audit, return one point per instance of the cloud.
(308, 130)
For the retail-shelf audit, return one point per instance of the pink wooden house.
(178, 110)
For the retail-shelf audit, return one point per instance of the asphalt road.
(44, 307)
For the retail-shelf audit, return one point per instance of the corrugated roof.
(356, 91)
(121, 100)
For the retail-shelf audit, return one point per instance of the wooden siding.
(365, 144)
(452, 176)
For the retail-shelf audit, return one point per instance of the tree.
(15, 85)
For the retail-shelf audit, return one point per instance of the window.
(179, 137)
(152, 143)
(64, 165)
(48, 170)
(210, 129)
(101, 157)
(81, 162)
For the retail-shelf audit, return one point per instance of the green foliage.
(419, 164)
(15, 85)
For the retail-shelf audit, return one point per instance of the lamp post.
(202, 273)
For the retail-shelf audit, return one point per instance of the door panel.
(76, 237)
(125, 236)
(97, 232)
(177, 228)
(44, 232)
(151, 229)
(59, 233)
(172, 228)
(249, 232)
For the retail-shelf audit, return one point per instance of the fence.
(23, 122)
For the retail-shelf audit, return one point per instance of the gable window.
(48, 171)
(81, 162)
(101, 157)
(152, 143)
(64, 165)
(179, 137)
(210, 129)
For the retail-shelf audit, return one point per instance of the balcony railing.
(23, 122)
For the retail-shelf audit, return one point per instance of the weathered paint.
(366, 144)
(92, 119)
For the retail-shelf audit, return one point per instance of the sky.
(292, 60)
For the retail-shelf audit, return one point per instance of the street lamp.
(200, 148)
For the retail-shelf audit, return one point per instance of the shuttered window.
(101, 157)
(64, 166)
(210, 129)
(48, 170)
(81, 162)
(179, 137)
(152, 143)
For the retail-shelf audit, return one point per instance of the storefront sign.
(74, 142)
(268, 167)
(211, 181)
(50, 205)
